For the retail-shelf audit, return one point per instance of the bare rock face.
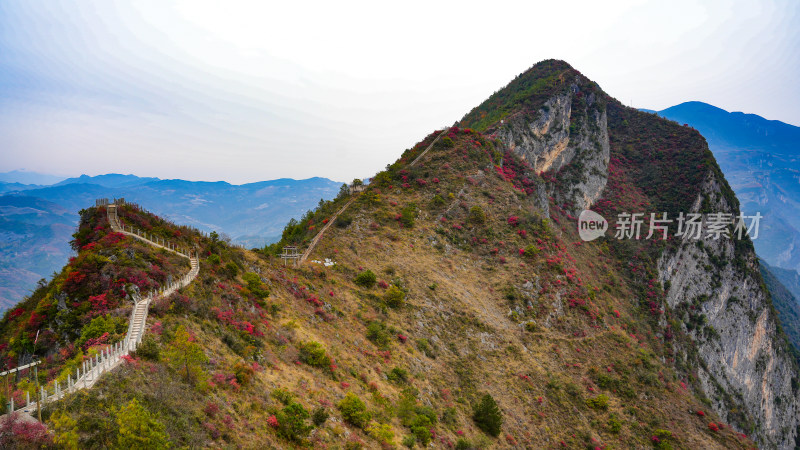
(544, 143)
(571, 143)
(745, 368)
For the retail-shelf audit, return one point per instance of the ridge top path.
(108, 359)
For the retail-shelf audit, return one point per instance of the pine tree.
(488, 416)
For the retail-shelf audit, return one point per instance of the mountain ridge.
(452, 304)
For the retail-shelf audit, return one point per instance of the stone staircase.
(108, 359)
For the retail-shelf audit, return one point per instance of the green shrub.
(243, 373)
(572, 389)
(449, 416)
(511, 293)
(344, 221)
(282, 395)
(476, 215)
(313, 354)
(186, 356)
(599, 402)
(378, 334)
(406, 406)
(394, 297)
(213, 260)
(408, 214)
(366, 279)
(425, 416)
(463, 444)
(487, 416)
(148, 349)
(65, 430)
(410, 441)
(662, 443)
(627, 391)
(231, 269)
(423, 434)
(382, 433)
(371, 198)
(662, 434)
(437, 201)
(605, 381)
(101, 325)
(138, 428)
(354, 444)
(319, 416)
(614, 425)
(532, 327)
(531, 251)
(255, 285)
(292, 422)
(354, 410)
(398, 375)
(425, 347)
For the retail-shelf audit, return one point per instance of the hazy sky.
(251, 90)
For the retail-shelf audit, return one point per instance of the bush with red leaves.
(18, 432)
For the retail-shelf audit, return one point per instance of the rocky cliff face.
(716, 290)
(561, 138)
(714, 285)
(593, 151)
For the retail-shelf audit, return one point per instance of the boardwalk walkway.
(108, 359)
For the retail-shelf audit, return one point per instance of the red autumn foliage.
(18, 433)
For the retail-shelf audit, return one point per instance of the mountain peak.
(527, 92)
(109, 180)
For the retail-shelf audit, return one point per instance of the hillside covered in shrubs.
(462, 311)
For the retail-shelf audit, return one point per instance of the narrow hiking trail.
(108, 359)
(316, 238)
(428, 148)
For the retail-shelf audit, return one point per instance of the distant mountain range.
(789, 278)
(24, 177)
(761, 160)
(36, 221)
